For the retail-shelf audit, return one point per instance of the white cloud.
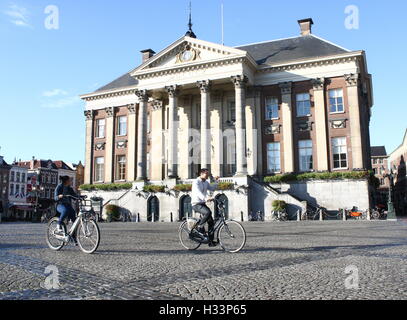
(54, 93)
(58, 99)
(61, 102)
(18, 15)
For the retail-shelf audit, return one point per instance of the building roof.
(265, 53)
(378, 151)
(285, 50)
(124, 81)
(3, 163)
(62, 165)
(36, 164)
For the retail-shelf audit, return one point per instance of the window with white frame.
(100, 128)
(122, 126)
(12, 190)
(12, 176)
(17, 190)
(305, 152)
(303, 105)
(23, 178)
(273, 157)
(99, 169)
(340, 153)
(18, 177)
(121, 168)
(271, 108)
(336, 101)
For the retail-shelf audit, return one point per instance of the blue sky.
(43, 71)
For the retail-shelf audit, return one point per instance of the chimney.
(147, 54)
(32, 163)
(306, 26)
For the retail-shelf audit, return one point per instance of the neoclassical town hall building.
(292, 105)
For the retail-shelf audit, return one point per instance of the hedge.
(223, 186)
(106, 187)
(153, 188)
(291, 177)
(279, 205)
(112, 213)
(183, 187)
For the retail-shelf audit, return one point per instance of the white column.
(240, 91)
(88, 179)
(157, 141)
(286, 108)
(132, 143)
(321, 124)
(109, 150)
(204, 86)
(354, 115)
(142, 136)
(172, 133)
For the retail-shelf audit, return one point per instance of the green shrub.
(224, 186)
(153, 188)
(183, 187)
(106, 187)
(291, 177)
(279, 205)
(112, 212)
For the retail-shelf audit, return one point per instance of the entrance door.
(153, 210)
(185, 208)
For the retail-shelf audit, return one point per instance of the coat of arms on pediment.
(188, 54)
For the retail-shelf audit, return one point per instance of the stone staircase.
(262, 196)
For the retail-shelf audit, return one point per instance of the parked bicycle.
(84, 229)
(229, 233)
(378, 214)
(314, 214)
(279, 216)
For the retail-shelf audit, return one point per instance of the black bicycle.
(229, 233)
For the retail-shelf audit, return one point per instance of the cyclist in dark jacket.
(64, 205)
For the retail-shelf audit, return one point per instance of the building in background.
(4, 185)
(19, 208)
(304, 102)
(43, 179)
(397, 161)
(300, 104)
(380, 167)
(80, 174)
(65, 170)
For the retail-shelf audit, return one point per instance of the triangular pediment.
(188, 51)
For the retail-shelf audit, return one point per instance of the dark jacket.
(64, 190)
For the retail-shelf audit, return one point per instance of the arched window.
(225, 201)
(153, 210)
(185, 207)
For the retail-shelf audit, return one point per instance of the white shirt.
(199, 191)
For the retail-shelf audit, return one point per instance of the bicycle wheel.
(52, 241)
(185, 239)
(232, 236)
(88, 236)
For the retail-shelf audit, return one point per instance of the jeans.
(66, 211)
(205, 218)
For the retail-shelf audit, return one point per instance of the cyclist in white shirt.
(200, 188)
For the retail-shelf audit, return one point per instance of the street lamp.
(391, 213)
(36, 190)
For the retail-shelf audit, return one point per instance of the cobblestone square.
(282, 261)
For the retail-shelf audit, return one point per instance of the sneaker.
(59, 229)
